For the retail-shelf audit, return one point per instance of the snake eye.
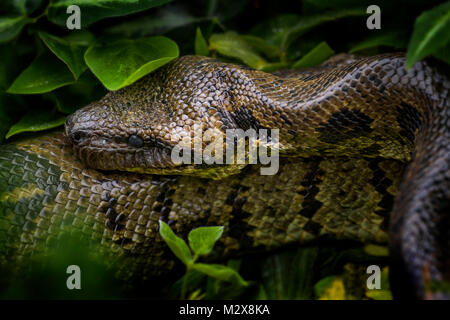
(78, 136)
(135, 141)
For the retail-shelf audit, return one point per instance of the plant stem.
(184, 284)
(185, 278)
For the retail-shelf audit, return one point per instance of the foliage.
(201, 241)
(431, 32)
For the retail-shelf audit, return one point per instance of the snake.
(364, 155)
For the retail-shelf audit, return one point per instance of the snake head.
(137, 127)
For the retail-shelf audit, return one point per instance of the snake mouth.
(124, 159)
(100, 154)
(149, 161)
(103, 153)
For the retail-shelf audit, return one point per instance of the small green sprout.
(201, 243)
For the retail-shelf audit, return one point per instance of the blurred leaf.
(431, 32)
(11, 26)
(330, 288)
(396, 39)
(224, 10)
(36, 120)
(291, 274)
(315, 57)
(8, 66)
(196, 295)
(80, 38)
(271, 67)
(202, 239)
(70, 53)
(46, 272)
(261, 295)
(231, 44)
(95, 10)
(22, 7)
(322, 285)
(379, 294)
(273, 29)
(220, 272)
(176, 244)
(311, 6)
(262, 46)
(163, 20)
(302, 46)
(282, 30)
(201, 47)
(308, 22)
(384, 293)
(122, 62)
(376, 250)
(44, 74)
(194, 279)
(443, 53)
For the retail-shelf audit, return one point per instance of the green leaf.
(302, 46)
(122, 62)
(44, 74)
(271, 67)
(220, 272)
(70, 53)
(376, 250)
(22, 7)
(323, 284)
(37, 120)
(379, 294)
(176, 244)
(201, 47)
(194, 279)
(231, 44)
(82, 38)
(262, 46)
(9, 65)
(282, 30)
(202, 239)
(11, 26)
(443, 53)
(315, 57)
(160, 21)
(95, 10)
(290, 274)
(384, 293)
(431, 32)
(308, 22)
(392, 38)
(314, 6)
(273, 29)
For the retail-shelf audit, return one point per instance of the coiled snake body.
(347, 131)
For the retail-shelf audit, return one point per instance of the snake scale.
(364, 147)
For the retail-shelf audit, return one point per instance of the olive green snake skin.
(364, 148)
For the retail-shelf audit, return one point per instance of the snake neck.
(355, 109)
